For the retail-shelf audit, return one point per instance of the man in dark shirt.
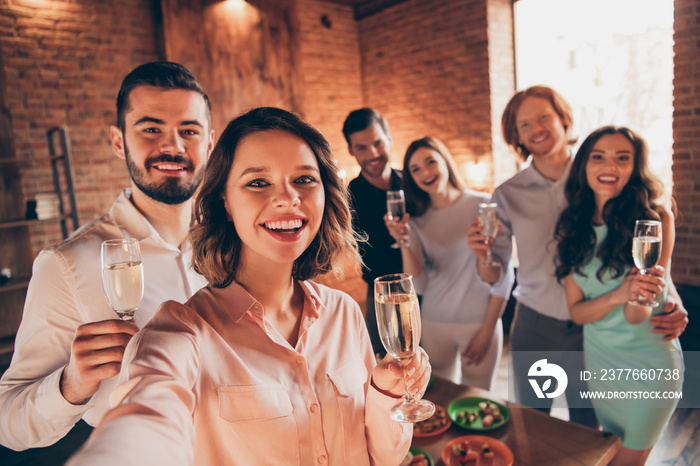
(369, 141)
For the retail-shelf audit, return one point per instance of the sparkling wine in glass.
(398, 319)
(122, 275)
(396, 207)
(646, 250)
(488, 217)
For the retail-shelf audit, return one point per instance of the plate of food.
(434, 425)
(477, 413)
(413, 458)
(472, 450)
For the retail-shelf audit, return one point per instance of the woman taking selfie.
(610, 187)
(461, 314)
(262, 366)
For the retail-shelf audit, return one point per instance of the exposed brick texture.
(331, 70)
(425, 66)
(64, 61)
(502, 84)
(686, 146)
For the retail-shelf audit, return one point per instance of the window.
(611, 59)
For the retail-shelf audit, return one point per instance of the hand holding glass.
(398, 319)
(396, 207)
(646, 250)
(488, 217)
(122, 276)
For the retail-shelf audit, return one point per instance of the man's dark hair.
(161, 74)
(362, 119)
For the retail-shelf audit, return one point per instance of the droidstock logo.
(541, 369)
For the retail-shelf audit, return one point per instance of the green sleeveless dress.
(635, 407)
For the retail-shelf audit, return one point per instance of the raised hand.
(387, 376)
(478, 243)
(476, 240)
(96, 354)
(648, 285)
(637, 285)
(398, 229)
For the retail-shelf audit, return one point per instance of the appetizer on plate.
(434, 425)
(478, 413)
(476, 450)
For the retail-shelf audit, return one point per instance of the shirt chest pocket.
(348, 382)
(258, 416)
(253, 403)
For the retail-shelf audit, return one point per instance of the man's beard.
(172, 190)
(380, 172)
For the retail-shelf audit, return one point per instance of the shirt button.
(322, 459)
(300, 360)
(314, 408)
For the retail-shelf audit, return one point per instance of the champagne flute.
(488, 217)
(398, 319)
(396, 207)
(122, 275)
(646, 250)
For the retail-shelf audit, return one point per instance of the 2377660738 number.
(633, 374)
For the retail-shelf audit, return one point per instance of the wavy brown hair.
(508, 120)
(639, 199)
(215, 242)
(417, 200)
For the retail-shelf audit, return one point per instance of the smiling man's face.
(166, 142)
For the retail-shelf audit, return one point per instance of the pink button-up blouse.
(211, 382)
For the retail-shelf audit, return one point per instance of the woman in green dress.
(610, 187)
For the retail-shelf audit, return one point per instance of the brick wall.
(686, 146)
(64, 61)
(502, 84)
(425, 67)
(331, 71)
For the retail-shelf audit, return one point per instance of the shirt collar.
(531, 176)
(133, 224)
(236, 301)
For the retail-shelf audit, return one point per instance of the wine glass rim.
(393, 278)
(120, 241)
(648, 222)
(491, 205)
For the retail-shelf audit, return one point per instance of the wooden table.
(534, 437)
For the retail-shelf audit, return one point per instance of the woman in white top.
(461, 314)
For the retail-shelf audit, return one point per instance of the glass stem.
(641, 298)
(409, 396)
(489, 257)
